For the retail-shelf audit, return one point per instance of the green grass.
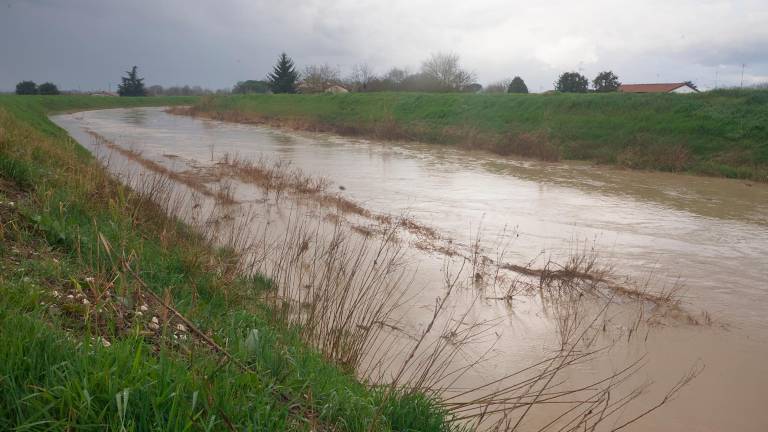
(67, 231)
(722, 132)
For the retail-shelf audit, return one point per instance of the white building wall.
(683, 89)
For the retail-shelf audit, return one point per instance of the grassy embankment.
(721, 133)
(85, 266)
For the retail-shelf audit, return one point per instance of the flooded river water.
(661, 230)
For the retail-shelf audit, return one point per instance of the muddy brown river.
(706, 237)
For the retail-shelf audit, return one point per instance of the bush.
(251, 86)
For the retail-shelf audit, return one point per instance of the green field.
(92, 362)
(721, 133)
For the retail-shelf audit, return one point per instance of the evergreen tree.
(283, 78)
(572, 82)
(517, 85)
(48, 89)
(692, 85)
(26, 88)
(132, 85)
(606, 82)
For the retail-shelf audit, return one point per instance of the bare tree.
(317, 78)
(445, 68)
(498, 86)
(361, 76)
(396, 75)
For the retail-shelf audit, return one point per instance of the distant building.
(336, 89)
(657, 88)
(104, 93)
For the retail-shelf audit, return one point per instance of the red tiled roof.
(650, 88)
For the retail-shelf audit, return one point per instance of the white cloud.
(570, 52)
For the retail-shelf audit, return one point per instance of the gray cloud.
(89, 43)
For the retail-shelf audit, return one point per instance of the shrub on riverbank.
(720, 133)
(114, 316)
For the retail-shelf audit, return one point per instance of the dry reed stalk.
(189, 181)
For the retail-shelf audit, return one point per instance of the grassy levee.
(80, 255)
(721, 133)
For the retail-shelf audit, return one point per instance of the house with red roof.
(681, 87)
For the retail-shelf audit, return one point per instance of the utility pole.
(742, 75)
(716, 73)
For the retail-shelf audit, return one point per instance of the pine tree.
(517, 85)
(283, 77)
(132, 85)
(691, 85)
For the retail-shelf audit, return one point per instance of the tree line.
(31, 88)
(441, 72)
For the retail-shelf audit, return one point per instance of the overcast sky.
(88, 44)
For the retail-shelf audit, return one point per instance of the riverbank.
(657, 216)
(719, 133)
(113, 315)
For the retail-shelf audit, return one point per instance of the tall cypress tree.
(283, 78)
(132, 85)
(517, 85)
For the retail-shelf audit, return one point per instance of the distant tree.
(155, 90)
(691, 85)
(48, 89)
(422, 82)
(317, 78)
(517, 85)
(445, 69)
(390, 81)
(132, 85)
(283, 78)
(250, 86)
(472, 88)
(26, 88)
(361, 77)
(396, 76)
(185, 90)
(606, 82)
(498, 86)
(572, 82)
